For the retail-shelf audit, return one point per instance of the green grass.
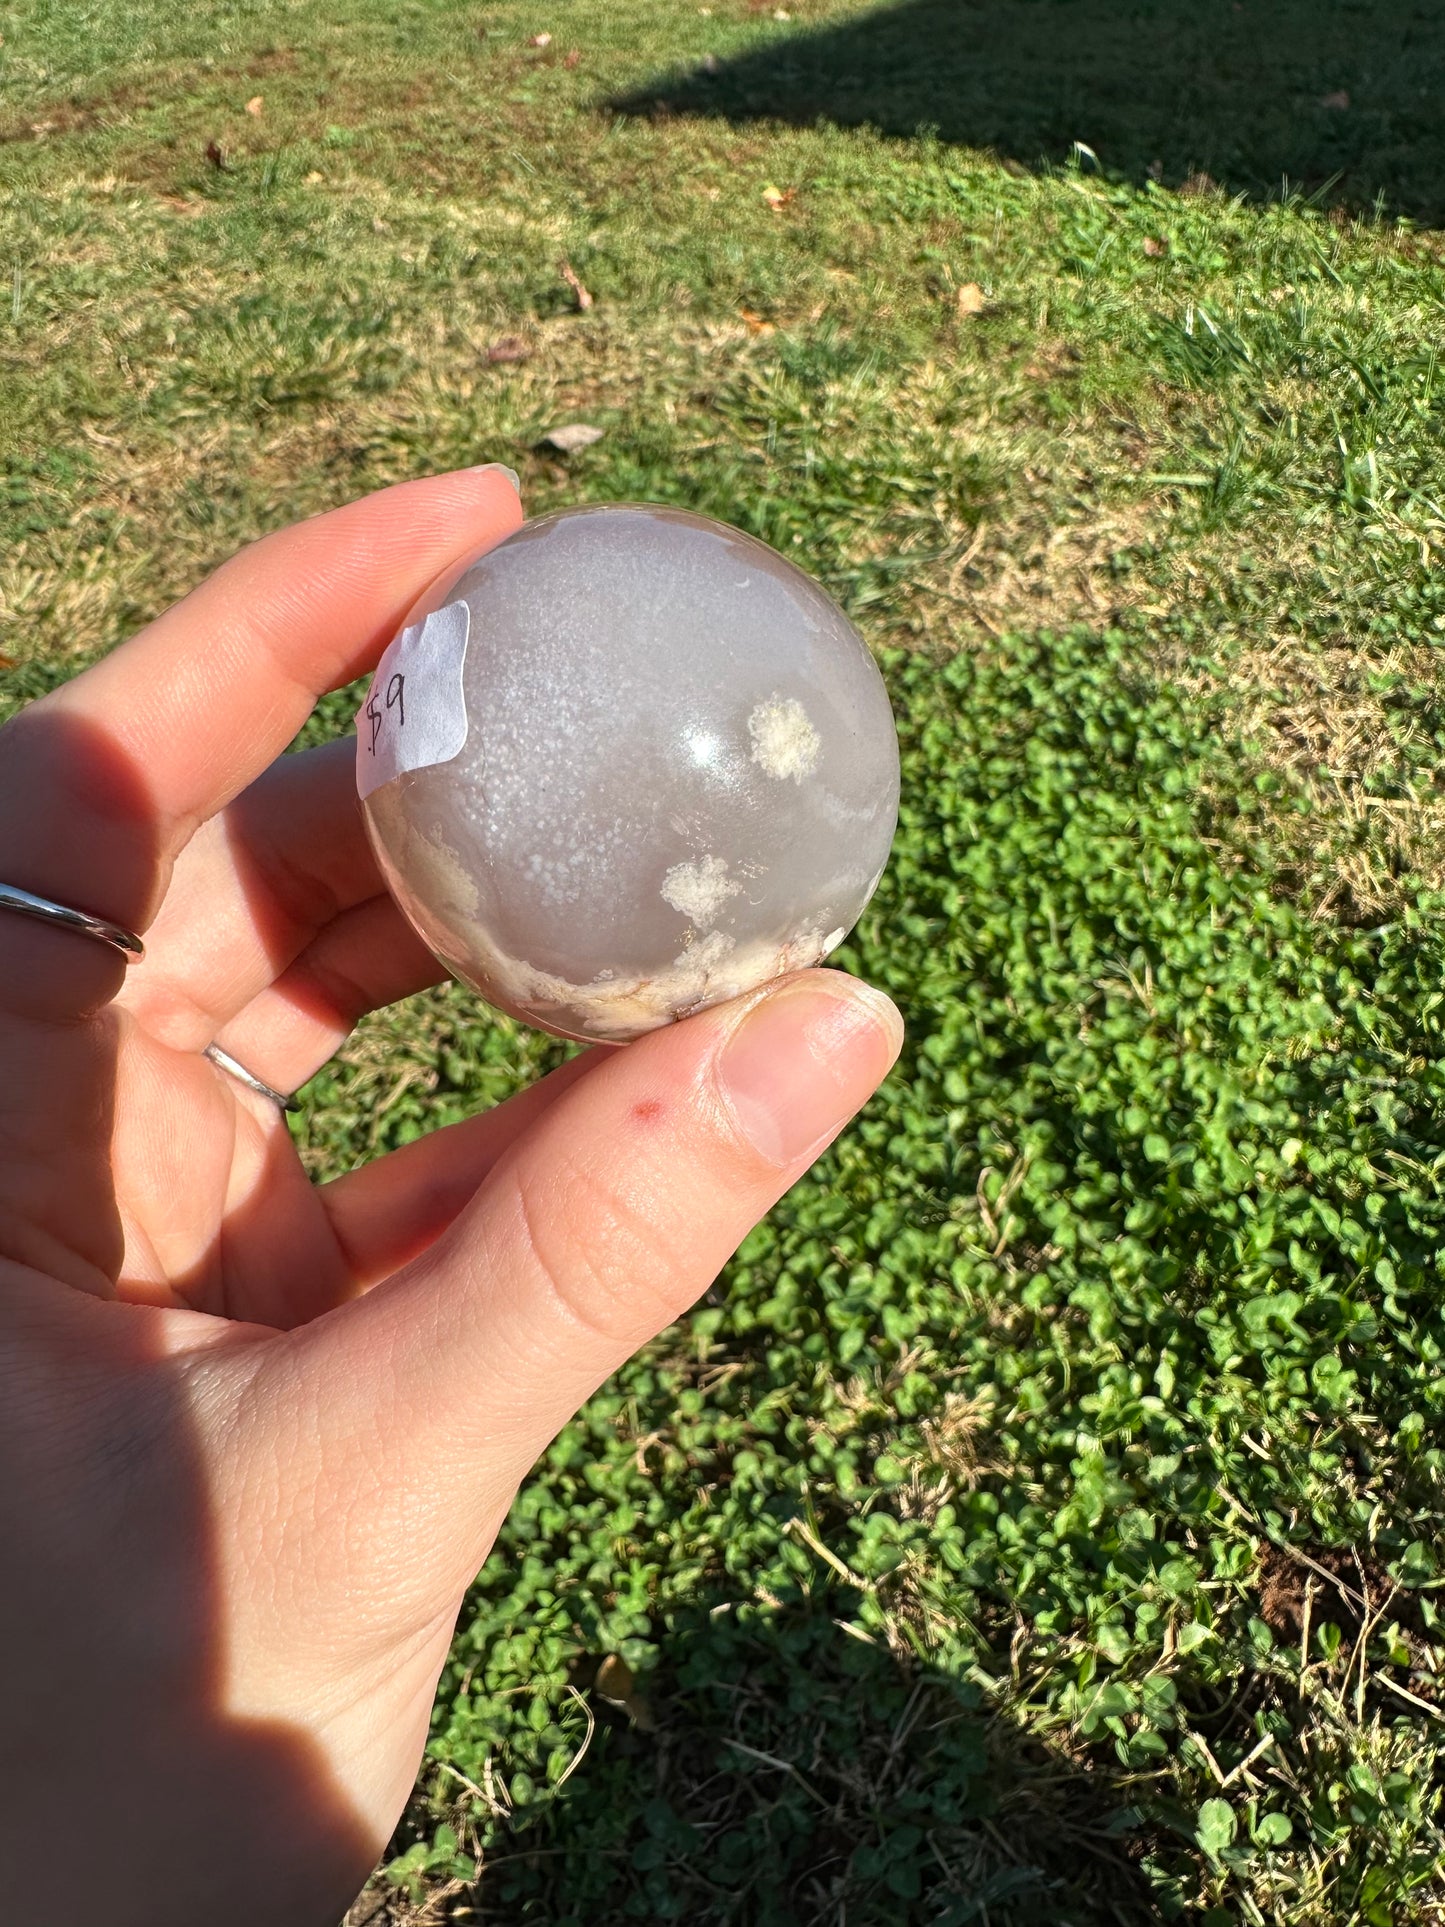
(1041, 1521)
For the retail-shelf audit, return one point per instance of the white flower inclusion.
(699, 890)
(785, 743)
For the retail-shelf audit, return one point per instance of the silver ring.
(224, 1061)
(61, 914)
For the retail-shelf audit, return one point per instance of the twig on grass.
(830, 1558)
(581, 1753)
(1242, 1770)
(781, 1766)
(1435, 1712)
(488, 1800)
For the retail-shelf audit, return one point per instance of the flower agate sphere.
(628, 764)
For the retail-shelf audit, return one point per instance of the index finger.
(197, 704)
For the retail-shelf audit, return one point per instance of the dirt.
(79, 116)
(1350, 1590)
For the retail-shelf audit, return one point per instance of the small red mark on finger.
(648, 1110)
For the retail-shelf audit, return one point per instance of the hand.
(256, 1437)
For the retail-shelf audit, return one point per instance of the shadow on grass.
(782, 1771)
(1337, 98)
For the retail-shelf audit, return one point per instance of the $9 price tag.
(415, 713)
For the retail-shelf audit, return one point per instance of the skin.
(257, 1436)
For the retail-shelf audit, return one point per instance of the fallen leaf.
(970, 299)
(573, 435)
(614, 1678)
(756, 324)
(8, 662)
(574, 281)
(573, 57)
(255, 104)
(778, 198)
(1199, 183)
(1154, 248)
(313, 177)
(216, 155)
(781, 13)
(616, 1685)
(540, 40)
(509, 348)
(1337, 101)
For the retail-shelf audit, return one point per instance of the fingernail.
(499, 468)
(804, 1059)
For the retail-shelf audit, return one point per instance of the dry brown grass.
(1321, 719)
(1043, 569)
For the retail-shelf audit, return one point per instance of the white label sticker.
(415, 713)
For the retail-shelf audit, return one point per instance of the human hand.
(256, 1437)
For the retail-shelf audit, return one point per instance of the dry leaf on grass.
(1154, 247)
(573, 58)
(616, 1685)
(970, 299)
(216, 155)
(540, 40)
(573, 435)
(509, 348)
(778, 198)
(574, 281)
(756, 324)
(8, 662)
(255, 104)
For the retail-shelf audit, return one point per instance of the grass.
(1041, 1521)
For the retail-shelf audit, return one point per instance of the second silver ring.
(223, 1060)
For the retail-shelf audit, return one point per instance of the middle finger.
(255, 888)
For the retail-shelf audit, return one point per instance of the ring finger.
(258, 885)
(365, 958)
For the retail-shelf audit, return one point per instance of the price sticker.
(415, 713)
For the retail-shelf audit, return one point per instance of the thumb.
(608, 1217)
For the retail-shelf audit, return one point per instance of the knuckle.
(329, 990)
(600, 1255)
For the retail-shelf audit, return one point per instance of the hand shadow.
(780, 1768)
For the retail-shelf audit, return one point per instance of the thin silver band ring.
(224, 1061)
(64, 918)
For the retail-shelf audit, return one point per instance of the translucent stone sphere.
(651, 765)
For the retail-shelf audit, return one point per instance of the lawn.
(1041, 1521)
